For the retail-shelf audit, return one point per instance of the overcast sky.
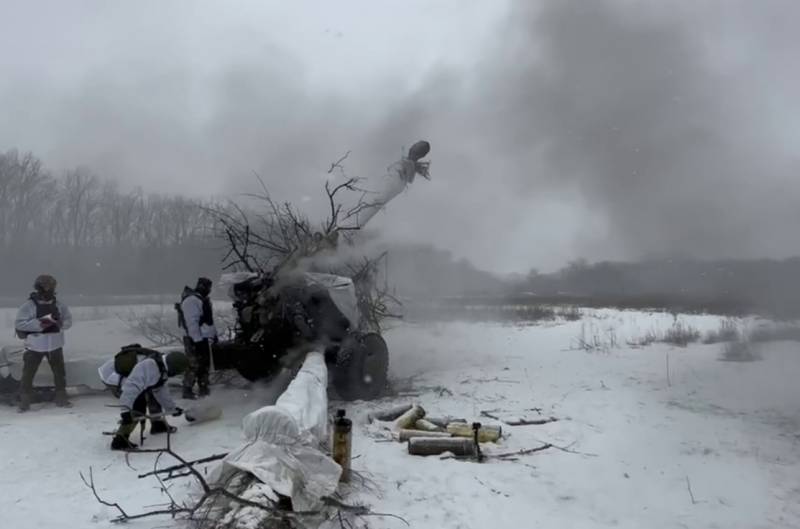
(605, 129)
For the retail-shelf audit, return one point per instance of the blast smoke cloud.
(631, 104)
(560, 129)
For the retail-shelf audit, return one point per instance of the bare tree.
(23, 187)
(277, 238)
(81, 196)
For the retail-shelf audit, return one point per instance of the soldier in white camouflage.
(196, 318)
(41, 322)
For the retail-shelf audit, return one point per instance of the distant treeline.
(723, 286)
(99, 240)
(94, 237)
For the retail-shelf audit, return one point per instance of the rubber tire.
(252, 362)
(362, 369)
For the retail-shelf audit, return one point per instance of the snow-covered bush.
(741, 350)
(728, 331)
(570, 313)
(649, 338)
(681, 334)
(593, 338)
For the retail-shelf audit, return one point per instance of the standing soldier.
(41, 322)
(196, 317)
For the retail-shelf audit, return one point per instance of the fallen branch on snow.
(484, 380)
(522, 452)
(205, 502)
(691, 494)
(181, 466)
(513, 456)
(503, 456)
(519, 422)
(535, 422)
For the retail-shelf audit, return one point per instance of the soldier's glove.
(48, 322)
(177, 412)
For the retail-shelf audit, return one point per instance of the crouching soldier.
(196, 318)
(41, 322)
(138, 376)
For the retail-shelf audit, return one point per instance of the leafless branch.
(177, 476)
(358, 510)
(519, 422)
(276, 237)
(90, 484)
(157, 327)
(168, 470)
(534, 422)
(522, 452)
(338, 163)
(691, 494)
(210, 493)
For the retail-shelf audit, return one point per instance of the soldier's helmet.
(203, 286)
(176, 363)
(45, 283)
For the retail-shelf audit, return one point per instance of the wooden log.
(486, 434)
(431, 446)
(407, 420)
(442, 422)
(423, 424)
(390, 414)
(405, 435)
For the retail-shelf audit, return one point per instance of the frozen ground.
(637, 438)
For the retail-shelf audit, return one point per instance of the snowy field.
(701, 443)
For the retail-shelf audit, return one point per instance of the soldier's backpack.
(128, 356)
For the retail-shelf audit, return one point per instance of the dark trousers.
(30, 364)
(199, 358)
(145, 404)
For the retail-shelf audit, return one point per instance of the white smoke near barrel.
(399, 175)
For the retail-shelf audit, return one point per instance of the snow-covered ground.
(638, 439)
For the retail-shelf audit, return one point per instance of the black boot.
(61, 400)
(24, 402)
(122, 443)
(204, 391)
(157, 427)
(188, 393)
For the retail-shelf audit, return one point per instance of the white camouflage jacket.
(38, 341)
(145, 375)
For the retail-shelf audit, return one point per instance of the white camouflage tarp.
(282, 442)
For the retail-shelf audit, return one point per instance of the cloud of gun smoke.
(602, 129)
(634, 105)
(614, 130)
